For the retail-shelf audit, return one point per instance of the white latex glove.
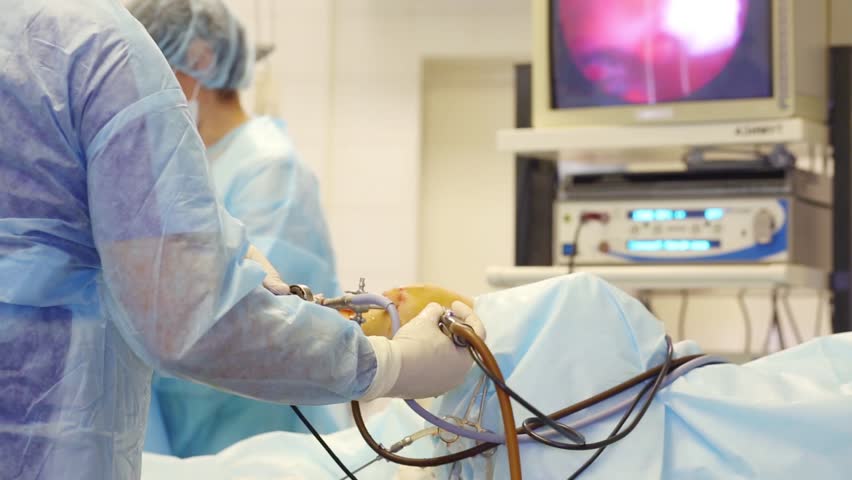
(273, 281)
(420, 361)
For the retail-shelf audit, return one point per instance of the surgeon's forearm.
(284, 350)
(187, 314)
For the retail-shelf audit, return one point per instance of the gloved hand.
(420, 361)
(273, 281)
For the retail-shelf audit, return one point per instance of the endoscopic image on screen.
(640, 52)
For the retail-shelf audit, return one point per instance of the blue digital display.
(673, 245)
(667, 214)
(714, 214)
(642, 215)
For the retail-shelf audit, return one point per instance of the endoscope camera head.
(448, 318)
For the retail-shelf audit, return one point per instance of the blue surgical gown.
(260, 181)
(115, 256)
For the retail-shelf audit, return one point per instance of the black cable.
(653, 388)
(774, 325)
(611, 439)
(600, 451)
(585, 218)
(328, 449)
(568, 432)
(615, 437)
(776, 320)
(559, 427)
(573, 256)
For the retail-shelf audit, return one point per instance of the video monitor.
(645, 52)
(625, 62)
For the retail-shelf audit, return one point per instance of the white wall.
(380, 48)
(841, 22)
(350, 80)
(467, 197)
(295, 82)
(373, 161)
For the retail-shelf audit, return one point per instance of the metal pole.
(535, 187)
(840, 128)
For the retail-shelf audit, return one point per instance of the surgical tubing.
(490, 440)
(617, 434)
(624, 404)
(490, 437)
(484, 447)
(367, 299)
(513, 449)
(511, 441)
(484, 437)
(410, 439)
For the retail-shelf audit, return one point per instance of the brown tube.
(513, 449)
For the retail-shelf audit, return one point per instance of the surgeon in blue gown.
(116, 259)
(260, 181)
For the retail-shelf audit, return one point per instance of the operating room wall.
(295, 81)
(841, 16)
(349, 76)
(381, 49)
(467, 197)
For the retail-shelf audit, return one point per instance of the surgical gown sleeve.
(174, 278)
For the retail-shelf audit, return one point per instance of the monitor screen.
(646, 52)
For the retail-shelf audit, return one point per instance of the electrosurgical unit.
(736, 216)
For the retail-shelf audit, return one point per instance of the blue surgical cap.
(201, 38)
